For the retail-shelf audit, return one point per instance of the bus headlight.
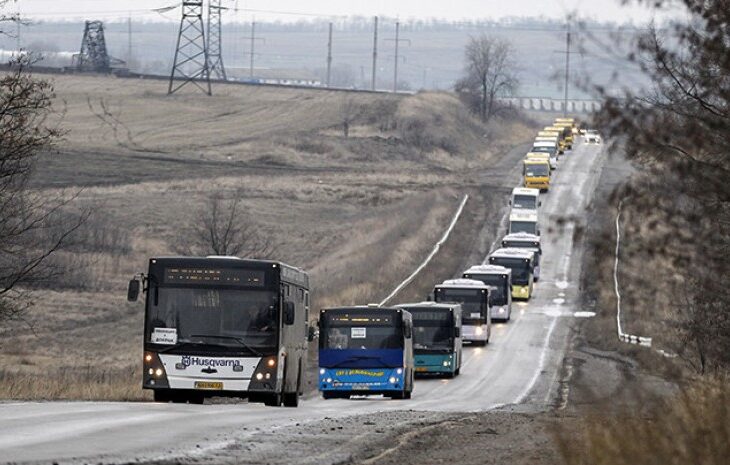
(447, 363)
(322, 371)
(479, 331)
(393, 380)
(259, 376)
(399, 371)
(159, 372)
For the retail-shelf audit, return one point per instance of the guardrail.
(622, 336)
(430, 256)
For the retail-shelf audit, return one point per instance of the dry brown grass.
(691, 428)
(72, 383)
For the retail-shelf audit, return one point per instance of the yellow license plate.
(209, 385)
(421, 369)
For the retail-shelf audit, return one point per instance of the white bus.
(224, 327)
(524, 221)
(473, 295)
(499, 279)
(525, 198)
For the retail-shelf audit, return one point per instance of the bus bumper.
(361, 381)
(501, 313)
(521, 292)
(435, 363)
(537, 183)
(471, 333)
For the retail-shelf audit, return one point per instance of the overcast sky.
(604, 10)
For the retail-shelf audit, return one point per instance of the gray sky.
(604, 10)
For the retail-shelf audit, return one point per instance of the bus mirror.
(133, 290)
(311, 333)
(539, 203)
(457, 332)
(429, 298)
(288, 313)
(408, 331)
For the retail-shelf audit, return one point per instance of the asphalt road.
(520, 365)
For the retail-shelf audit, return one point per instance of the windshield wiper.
(361, 357)
(233, 338)
(178, 345)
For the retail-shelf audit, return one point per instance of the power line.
(329, 55)
(397, 40)
(252, 38)
(375, 52)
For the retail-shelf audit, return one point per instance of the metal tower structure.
(190, 65)
(215, 40)
(93, 55)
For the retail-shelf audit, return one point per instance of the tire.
(162, 395)
(273, 400)
(291, 399)
(195, 398)
(457, 372)
(329, 395)
(480, 343)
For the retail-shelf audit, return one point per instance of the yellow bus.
(536, 173)
(563, 135)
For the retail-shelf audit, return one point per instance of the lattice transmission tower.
(190, 65)
(215, 40)
(93, 55)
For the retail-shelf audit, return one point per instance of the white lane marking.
(584, 314)
(540, 365)
(559, 301)
(561, 284)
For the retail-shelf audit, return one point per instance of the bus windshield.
(471, 300)
(365, 337)
(520, 268)
(543, 149)
(225, 319)
(537, 169)
(528, 202)
(523, 226)
(498, 295)
(432, 329)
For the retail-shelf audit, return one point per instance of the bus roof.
(488, 269)
(510, 252)
(288, 273)
(357, 308)
(523, 215)
(526, 191)
(565, 120)
(462, 283)
(543, 143)
(430, 304)
(535, 161)
(521, 236)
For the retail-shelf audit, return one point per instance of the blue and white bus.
(224, 326)
(473, 295)
(436, 337)
(499, 279)
(366, 350)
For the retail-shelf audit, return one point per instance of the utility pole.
(252, 52)
(375, 54)
(568, 53)
(129, 40)
(567, 69)
(190, 64)
(397, 41)
(215, 39)
(17, 35)
(329, 56)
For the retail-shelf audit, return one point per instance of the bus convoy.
(223, 326)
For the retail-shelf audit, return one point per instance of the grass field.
(145, 163)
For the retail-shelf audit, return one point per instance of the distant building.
(278, 76)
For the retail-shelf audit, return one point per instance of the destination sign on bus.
(430, 315)
(217, 276)
(360, 320)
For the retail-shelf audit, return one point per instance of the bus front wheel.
(162, 395)
(291, 399)
(273, 400)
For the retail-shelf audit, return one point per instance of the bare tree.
(489, 73)
(32, 227)
(680, 130)
(222, 227)
(348, 112)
